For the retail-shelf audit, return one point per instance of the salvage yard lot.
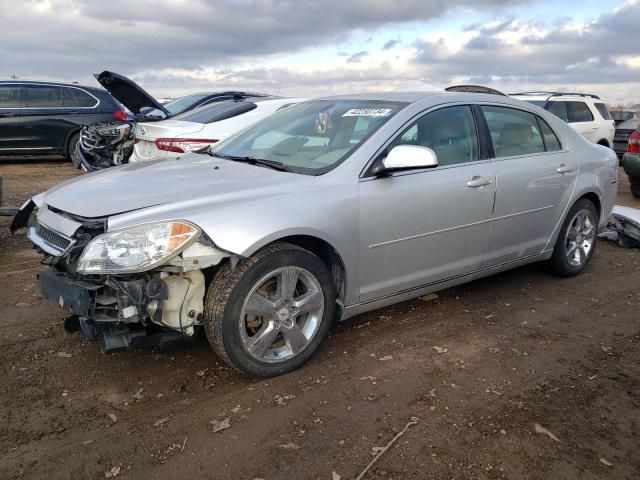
(512, 351)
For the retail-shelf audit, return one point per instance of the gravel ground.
(520, 376)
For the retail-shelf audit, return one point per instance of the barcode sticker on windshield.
(367, 112)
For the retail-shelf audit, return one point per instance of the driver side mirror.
(406, 157)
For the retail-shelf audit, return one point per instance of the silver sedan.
(325, 210)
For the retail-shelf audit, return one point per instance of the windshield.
(538, 103)
(311, 137)
(181, 104)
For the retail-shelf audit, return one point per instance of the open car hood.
(127, 92)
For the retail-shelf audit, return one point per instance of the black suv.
(43, 118)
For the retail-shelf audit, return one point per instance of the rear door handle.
(477, 181)
(564, 169)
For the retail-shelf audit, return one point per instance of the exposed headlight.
(136, 249)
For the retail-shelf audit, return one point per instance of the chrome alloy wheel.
(281, 314)
(579, 239)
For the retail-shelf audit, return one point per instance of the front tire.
(71, 146)
(267, 315)
(576, 240)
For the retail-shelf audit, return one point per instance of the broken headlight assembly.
(136, 249)
(104, 145)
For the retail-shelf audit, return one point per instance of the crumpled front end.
(121, 310)
(104, 145)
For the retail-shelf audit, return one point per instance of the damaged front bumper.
(104, 145)
(119, 310)
(124, 313)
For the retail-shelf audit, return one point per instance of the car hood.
(139, 185)
(127, 92)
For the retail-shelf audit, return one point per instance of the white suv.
(585, 113)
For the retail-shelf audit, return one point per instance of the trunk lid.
(127, 92)
(147, 133)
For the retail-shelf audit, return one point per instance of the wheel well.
(593, 198)
(604, 143)
(327, 254)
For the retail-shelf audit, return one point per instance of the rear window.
(44, 96)
(182, 104)
(603, 110)
(9, 96)
(579, 112)
(622, 115)
(74, 97)
(632, 124)
(216, 112)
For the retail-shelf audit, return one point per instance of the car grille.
(52, 238)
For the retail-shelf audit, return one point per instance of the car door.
(46, 122)
(423, 226)
(582, 120)
(535, 179)
(11, 135)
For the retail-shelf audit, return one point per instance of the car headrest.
(515, 134)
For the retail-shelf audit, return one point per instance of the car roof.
(387, 96)
(57, 84)
(555, 96)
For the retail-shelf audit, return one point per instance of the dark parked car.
(620, 116)
(46, 118)
(623, 132)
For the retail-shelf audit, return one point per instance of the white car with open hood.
(202, 127)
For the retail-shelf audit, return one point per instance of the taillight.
(121, 115)
(634, 143)
(182, 145)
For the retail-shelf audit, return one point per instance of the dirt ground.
(533, 377)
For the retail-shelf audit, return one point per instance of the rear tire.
(71, 146)
(634, 182)
(576, 240)
(268, 315)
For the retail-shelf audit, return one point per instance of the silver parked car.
(325, 210)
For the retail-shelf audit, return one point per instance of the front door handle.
(478, 181)
(564, 169)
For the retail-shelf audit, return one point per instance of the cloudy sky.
(300, 47)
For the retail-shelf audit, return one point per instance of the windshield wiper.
(253, 161)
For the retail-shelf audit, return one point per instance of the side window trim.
(484, 135)
(365, 172)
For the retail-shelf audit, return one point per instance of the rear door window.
(74, 97)
(44, 96)
(603, 110)
(513, 132)
(9, 96)
(579, 112)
